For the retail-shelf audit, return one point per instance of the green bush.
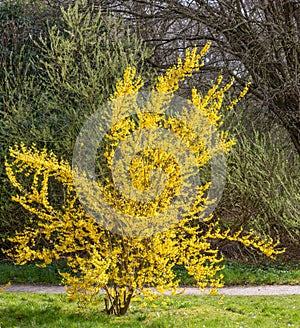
(263, 187)
(47, 94)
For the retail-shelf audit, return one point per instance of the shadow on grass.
(42, 310)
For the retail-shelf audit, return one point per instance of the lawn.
(45, 310)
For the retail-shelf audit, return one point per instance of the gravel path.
(235, 290)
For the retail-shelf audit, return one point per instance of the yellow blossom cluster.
(126, 266)
(5, 286)
(169, 82)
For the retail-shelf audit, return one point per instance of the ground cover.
(45, 310)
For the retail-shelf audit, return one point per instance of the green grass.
(44, 310)
(274, 274)
(30, 273)
(234, 274)
(246, 274)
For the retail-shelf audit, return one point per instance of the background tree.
(256, 38)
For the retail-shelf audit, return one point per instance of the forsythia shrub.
(128, 265)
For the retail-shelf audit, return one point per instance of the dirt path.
(235, 290)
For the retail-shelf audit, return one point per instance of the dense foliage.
(52, 81)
